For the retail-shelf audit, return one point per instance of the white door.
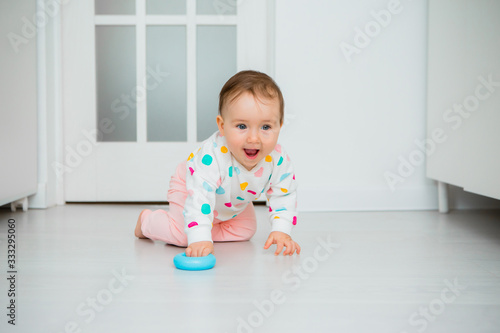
(140, 87)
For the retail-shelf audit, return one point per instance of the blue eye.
(241, 126)
(266, 127)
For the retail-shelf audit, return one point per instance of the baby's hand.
(282, 240)
(200, 249)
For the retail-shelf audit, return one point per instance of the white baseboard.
(39, 199)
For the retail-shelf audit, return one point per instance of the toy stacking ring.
(194, 263)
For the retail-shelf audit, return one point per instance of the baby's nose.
(253, 136)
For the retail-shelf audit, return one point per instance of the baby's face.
(251, 127)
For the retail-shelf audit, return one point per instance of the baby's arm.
(282, 196)
(199, 205)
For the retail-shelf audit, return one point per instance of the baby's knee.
(144, 213)
(249, 232)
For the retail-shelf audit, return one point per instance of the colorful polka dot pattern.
(248, 183)
(205, 209)
(207, 187)
(284, 176)
(207, 159)
(236, 170)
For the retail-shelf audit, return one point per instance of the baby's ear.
(220, 124)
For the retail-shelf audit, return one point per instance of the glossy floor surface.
(80, 269)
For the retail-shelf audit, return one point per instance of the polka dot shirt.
(220, 187)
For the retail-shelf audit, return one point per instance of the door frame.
(61, 49)
(50, 135)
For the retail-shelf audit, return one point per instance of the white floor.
(80, 269)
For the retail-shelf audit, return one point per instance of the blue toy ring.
(194, 263)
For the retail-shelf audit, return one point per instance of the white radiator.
(18, 102)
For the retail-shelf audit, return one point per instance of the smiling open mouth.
(251, 153)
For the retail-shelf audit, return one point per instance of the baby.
(210, 196)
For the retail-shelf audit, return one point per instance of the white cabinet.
(18, 97)
(463, 96)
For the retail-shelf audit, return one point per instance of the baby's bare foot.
(138, 231)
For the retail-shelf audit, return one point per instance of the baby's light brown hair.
(256, 83)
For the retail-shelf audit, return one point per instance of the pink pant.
(169, 226)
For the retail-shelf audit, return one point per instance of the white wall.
(350, 121)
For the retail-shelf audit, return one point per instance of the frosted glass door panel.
(216, 7)
(167, 91)
(115, 7)
(116, 83)
(163, 7)
(215, 64)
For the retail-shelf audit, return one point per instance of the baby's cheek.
(230, 146)
(270, 140)
(234, 142)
